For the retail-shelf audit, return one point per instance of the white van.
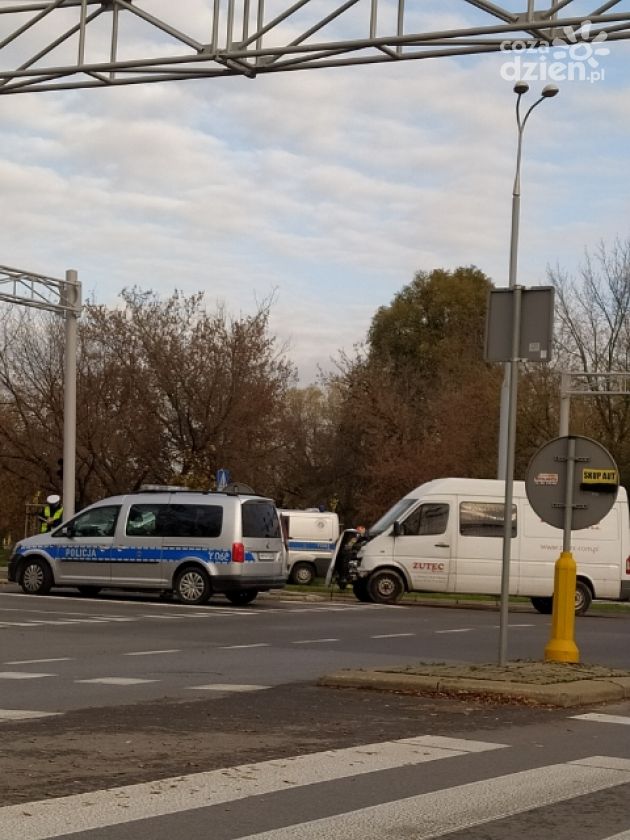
(167, 539)
(447, 536)
(311, 538)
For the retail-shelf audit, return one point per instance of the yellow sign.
(600, 476)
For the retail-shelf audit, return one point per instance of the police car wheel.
(36, 577)
(385, 587)
(192, 586)
(302, 574)
(240, 599)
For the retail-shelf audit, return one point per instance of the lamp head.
(549, 90)
(522, 87)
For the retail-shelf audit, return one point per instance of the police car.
(191, 543)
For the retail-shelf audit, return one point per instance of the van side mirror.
(397, 530)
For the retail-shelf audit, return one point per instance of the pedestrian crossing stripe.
(89, 811)
(601, 718)
(434, 814)
(423, 816)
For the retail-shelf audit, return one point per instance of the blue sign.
(223, 479)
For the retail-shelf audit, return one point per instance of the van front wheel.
(192, 586)
(385, 587)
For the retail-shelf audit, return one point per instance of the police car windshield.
(391, 516)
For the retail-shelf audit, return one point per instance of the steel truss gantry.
(64, 298)
(60, 44)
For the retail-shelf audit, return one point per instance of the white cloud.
(331, 187)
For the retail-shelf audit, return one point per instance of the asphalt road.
(152, 720)
(64, 652)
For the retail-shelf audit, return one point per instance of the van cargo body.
(190, 543)
(311, 537)
(447, 536)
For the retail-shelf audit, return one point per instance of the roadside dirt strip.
(107, 747)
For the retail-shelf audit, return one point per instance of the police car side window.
(98, 522)
(197, 521)
(142, 520)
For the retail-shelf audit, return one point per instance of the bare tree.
(593, 336)
(166, 392)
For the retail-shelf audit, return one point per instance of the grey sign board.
(595, 482)
(536, 324)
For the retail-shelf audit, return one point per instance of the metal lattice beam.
(58, 44)
(38, 291)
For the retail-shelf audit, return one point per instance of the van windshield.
(391, 516)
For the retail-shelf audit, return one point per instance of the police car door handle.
(442, 545)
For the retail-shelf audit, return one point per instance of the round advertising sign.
(595, 482)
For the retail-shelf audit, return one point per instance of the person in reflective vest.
(53, 512)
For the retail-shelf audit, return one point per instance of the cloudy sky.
(327, 189)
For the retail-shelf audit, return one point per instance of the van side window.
(98, 522)
(260, 519)
(483, 519)
(427, 520)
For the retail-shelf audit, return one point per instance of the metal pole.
(516, 212)
(520, 88)
(509, 477)
(565, 404)
(72, 299)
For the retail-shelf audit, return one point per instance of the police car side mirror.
(397, 529)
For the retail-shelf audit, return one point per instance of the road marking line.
(23, 714)
(460, 630)
(597, 718)
(89, 811)
(458, 809)
(116, 681)
(38, 661)
(391, 635)
(151, 652)
(313, 641)
(243, 647)
(17, 624)
(22, 675)
(498, 626)
(227, 687)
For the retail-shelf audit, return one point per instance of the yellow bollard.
(561, 647)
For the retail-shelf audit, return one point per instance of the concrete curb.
(566, 694)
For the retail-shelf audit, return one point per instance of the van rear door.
(262, 539)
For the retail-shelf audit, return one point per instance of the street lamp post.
(507, 427)
(547, 92)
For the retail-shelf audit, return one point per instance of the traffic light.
(60, 469)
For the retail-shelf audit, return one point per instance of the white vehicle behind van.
(311, 538)
(447, 536)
